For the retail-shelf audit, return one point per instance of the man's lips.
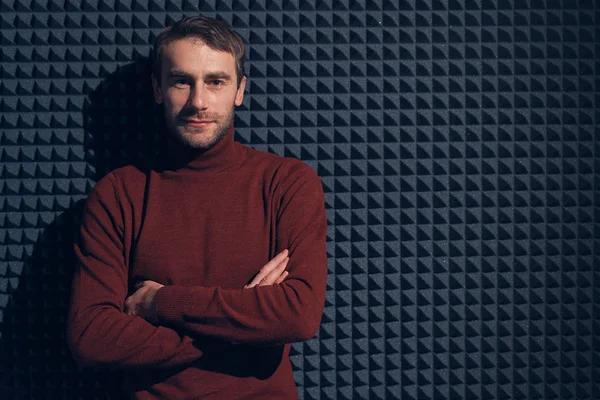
(197, 122)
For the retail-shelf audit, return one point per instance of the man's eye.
(180, 82)
(216, 82)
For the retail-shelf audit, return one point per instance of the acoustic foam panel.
(458, 147)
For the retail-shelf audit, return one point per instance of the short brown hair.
(213, 33)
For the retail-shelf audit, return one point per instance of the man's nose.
(197, 97)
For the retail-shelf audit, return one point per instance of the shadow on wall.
(122, 121)
(121, 128)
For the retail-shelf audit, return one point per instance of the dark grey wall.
(457, 143)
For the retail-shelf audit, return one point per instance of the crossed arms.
(104, 330)
(143, 301)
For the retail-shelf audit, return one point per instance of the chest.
(204, 233)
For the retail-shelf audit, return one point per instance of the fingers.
(281, 277)
(272, 277)
(129, 307)
(268, 268)
(278, 259)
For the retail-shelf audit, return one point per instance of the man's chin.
(197, 140)
(197, 144)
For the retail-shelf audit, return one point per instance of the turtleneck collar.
(224, 155)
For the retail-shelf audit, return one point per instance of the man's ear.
(158, 97)
(239, 95)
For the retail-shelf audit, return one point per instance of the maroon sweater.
(203, 228)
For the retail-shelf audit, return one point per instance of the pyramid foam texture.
(459, 149)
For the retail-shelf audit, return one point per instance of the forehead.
(193, 56)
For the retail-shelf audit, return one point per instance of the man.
(197, 275)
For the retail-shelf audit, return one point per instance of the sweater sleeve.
(98, 331)
(277, 314)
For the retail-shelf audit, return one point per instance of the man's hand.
(272, 273)
(142, 301)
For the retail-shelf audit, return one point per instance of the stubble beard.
(185, 135)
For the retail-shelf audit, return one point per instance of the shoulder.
(115, 197)
(279, 166)
(129, 175)
(282, 172)
(263, 159)
(121, 183)
(294, 170)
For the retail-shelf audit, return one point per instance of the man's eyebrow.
(218, 75)
(209, 77)
(178, 73)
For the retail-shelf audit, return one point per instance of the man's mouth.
(197, 123)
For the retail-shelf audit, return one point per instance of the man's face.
(198, 88)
